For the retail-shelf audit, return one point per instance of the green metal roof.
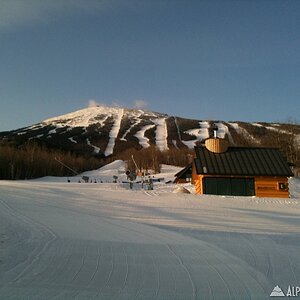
(242, 161)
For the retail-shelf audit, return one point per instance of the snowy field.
(62, 240)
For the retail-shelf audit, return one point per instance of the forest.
(33, 160)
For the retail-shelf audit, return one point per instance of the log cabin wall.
(275, 187)
(271, 187)
(199, 185)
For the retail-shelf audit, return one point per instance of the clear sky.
(222, 60)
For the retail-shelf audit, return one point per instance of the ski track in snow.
(104, 241)
(62, 240)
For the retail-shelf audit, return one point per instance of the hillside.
(104, 131)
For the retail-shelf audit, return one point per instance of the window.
(282, 186)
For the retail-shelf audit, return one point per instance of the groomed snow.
(114, 133)
(62, 240)
(161, 134)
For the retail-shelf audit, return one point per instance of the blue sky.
(222, 60)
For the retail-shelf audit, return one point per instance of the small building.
(240, 171)
(184, 175)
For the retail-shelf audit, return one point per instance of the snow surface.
(140, 135)
(62, 240)
(84, 117)
(257, 124)
(200, 133)
(96, 149)
(244, 132)
(222, 131)
(161, 133)
(178, 131)
(114, 133)
(72, 140)
(135, 116)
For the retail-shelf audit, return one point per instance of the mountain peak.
(106, 130)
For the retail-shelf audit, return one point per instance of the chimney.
(215, 130)
(215, 144)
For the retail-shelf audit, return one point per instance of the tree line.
(32, 161)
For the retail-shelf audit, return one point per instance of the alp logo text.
(292, 291)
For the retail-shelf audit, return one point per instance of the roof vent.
(216, 145)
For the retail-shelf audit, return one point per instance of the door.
(229, 186)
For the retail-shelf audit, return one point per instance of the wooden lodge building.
(239, 171)
(185, 175)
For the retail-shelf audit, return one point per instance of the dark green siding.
(229, 186)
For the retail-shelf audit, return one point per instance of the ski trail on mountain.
(161, 133)
(114, 133)
(144, 141)
(200, 134)
(137, 121)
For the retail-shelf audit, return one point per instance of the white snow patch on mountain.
(96, 149)
(257, 124)
(161, 133)
(114, 132)
(144, 141)
(137, 119)
(84, 117)
(73, 141)
(52, 131)
(22, 132)
(222, 131)
(244, 132)
(178, 131)
(200, 133)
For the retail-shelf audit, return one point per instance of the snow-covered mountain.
(105, 130)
